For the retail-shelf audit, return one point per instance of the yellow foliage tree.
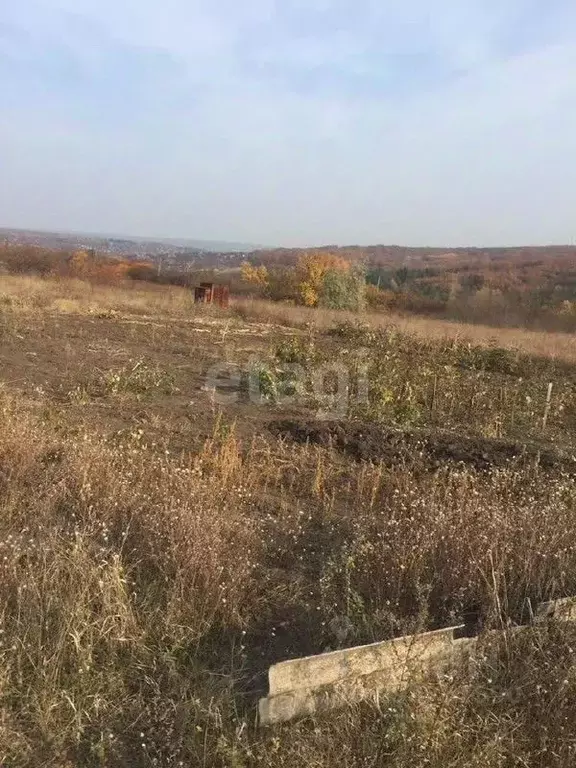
(255, 275)
(80, 263)
(89, 266)
(311, 271)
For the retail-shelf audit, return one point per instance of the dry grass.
(144, 591)
(26, 293)
(141, 593)
(115, 563)
(72, 296)
(559, 346)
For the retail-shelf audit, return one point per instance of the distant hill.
(421, 257)
(207, 245)
(187, 253)
(120, 244)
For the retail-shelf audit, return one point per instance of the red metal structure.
(209, 293)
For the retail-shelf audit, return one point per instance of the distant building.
(209, 293)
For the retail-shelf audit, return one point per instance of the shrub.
(344, 290)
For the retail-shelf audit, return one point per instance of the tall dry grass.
(71, 296)
(144, 594)
(559, 346)
(26, 293)
(116, 566)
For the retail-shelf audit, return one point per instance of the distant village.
(166, 255)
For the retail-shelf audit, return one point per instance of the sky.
(291, 122)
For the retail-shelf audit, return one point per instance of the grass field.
(160, 548)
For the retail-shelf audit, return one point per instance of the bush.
(344, 290)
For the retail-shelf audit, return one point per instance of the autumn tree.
(256, 275)
(317, 279)
(311, 271)
(80, 263)
(142, 271)
(344, 289)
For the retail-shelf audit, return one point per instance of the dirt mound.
(371, 442)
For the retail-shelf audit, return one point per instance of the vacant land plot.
(169, 527)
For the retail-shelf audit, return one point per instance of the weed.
(266, 381)
(138, 379)
(296, 350)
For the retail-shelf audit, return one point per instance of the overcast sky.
(296, 122)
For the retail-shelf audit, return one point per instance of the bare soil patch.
(375, 443)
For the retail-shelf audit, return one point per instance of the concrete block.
(328, 668)
(303, 702)
(562, 610)
(304, 686)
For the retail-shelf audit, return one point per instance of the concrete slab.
(561, 610)
(302, 687)
(328, 668)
